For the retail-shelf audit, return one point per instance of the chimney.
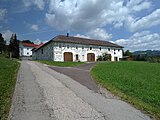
(67, 34)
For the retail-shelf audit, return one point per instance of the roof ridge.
(88, 39)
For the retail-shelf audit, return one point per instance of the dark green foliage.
(148, 55)
(140, 57)
(14, 46)
(127, 53)
(154, 59)
(104, 57)
(8, 71)
(2, 44)
(27, 41)
(100, 58)
(137, 82)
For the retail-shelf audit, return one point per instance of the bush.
(104, 57)
(100, 58)
(154, 59)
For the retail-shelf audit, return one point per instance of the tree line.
(12, 49)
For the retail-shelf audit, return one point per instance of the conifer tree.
(2, 44)
(14, 46)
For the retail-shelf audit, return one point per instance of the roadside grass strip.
(8, 73)
(136, 82)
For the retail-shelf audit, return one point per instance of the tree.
(127, 53)
(27, 41)
(2, 44)
(14, 46)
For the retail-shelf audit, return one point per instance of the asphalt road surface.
(80, 74)
(44, 94)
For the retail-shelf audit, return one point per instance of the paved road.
(80, 74)
(44, 94)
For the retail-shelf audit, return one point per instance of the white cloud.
(35, 27)
(3, 13)
(138, 5)
(91, 14)
(82, 36)
(141, 41)
(99, 34)
(37, 41)
(148, 21)
(7, 35)
(39, 3)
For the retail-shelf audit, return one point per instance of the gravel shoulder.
(44, 94)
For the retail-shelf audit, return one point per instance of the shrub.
(104, 57)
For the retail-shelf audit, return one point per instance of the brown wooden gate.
(68, 57)
(90, 57)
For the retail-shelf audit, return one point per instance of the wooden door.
(90, 57)
(68, 57)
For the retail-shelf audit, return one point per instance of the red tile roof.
(32, 45)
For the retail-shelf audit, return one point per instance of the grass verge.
(8, 72)
(136, 82)
(60, 64)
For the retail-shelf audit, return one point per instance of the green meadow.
(136, 82)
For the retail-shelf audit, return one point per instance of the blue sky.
(134, 24)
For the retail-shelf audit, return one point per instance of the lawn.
(8, 70)
(136, 82)
(61, 64)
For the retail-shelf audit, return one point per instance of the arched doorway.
(90, 57)
(68, 57)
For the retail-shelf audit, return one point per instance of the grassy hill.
(136, 82)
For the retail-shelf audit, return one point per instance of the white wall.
(25, 51)
(60, 48)
(55, 51)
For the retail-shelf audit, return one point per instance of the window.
(27, 53)
(118, 50)
(27, 48)
(68, 46)
(90, 48)
(114, 49)
(42, 51)
(82, 56)
(82, 47)
(114, 52)
(60, 46)
(100, 48)
(76, 47)
(108, 49)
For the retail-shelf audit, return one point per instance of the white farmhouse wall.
(55, 51)
(25, 51)
(83, 50)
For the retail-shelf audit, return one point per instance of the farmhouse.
(68, 48)
(25, 49)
